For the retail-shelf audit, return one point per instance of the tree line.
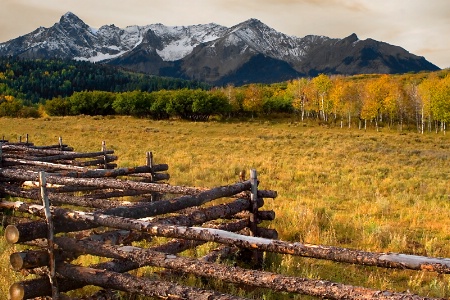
(419, 100)
(35, 81)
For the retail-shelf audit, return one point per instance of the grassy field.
(375, 191)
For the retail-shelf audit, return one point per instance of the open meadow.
(385, 191)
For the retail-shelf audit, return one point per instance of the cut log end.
(16, 260)
(16, 291)
(12, 234)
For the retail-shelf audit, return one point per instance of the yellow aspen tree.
(322, 85)
(297, 90)
(415, 103)
(441, 102)
(337, 96)
(253, 100)
(392, 98)
(426, 90)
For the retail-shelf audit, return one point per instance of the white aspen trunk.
(303, 109)
(422, 121)
(349, 120)
(323, 108)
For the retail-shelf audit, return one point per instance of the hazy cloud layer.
(419, 26)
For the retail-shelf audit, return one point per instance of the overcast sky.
(420, 26)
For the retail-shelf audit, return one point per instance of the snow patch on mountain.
(180, 41)
(100, 57)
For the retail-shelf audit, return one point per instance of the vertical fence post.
(257, 255)
(1, 153)
(254, 201)
(51, 247)
(26, 139)
(105, 158)
(150, 163)
(60, 142)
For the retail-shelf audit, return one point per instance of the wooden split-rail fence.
(75, 203)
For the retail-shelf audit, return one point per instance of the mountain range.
(245, 53)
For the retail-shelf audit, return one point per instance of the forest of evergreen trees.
(35, 81)
(33, 88)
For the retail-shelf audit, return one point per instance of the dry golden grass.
(376, 191)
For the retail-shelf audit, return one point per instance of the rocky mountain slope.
(247, 52)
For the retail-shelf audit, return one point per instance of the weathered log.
(116, 194)
(141, 286)
(23, 232)
(179, 203)
(17, 161)
(386, 260)
(32, 230)
(84, 201)
(121, 184)
(38, 258)
(41, 286)
(28, 259)
(263, 279)
(202, 215)
(51, 154)
(82, 172)
(70, 155)
(61, 147)
(97, 162)
(99, 173)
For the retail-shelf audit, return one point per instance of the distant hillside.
(34, 80)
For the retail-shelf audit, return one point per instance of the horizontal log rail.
(142, 286)
(273, 281)
(41, 286)
(109, 183)
(20, 233)
(345, 255)
(45, 153)
(84, 172)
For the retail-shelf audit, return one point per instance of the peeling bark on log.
(31, 149)
(386, 260)
(97, 162)
(28, 259)
(121, 184)
(71, 155)
(202, 215)
(16, 161)
(41, 286)
(38, 258)
(32, 230)
(84, 201)
(179, 203)
(320, 288)
(142, 286)
(99, 194)
(83, 172)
